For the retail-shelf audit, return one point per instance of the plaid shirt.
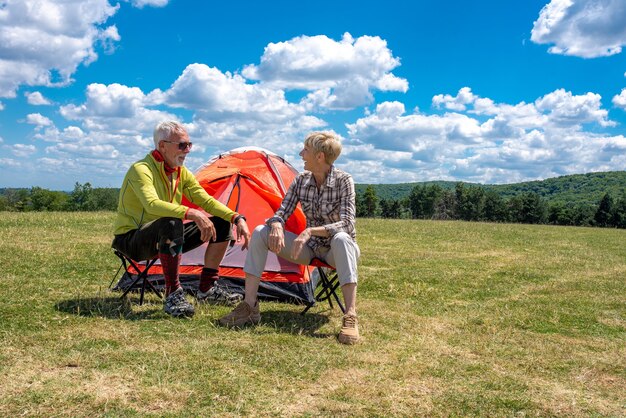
(331, 206)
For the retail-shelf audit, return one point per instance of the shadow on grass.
(292, 322)
(111, 307)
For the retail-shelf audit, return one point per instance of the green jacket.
(146, 195)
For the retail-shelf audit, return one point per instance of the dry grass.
(457, 319)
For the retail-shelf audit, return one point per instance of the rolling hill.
(581, 188)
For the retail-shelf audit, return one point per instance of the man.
(150, 217)
(327, 197)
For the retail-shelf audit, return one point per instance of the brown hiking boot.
(243, 314)
(349, 333)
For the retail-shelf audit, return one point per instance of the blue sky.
(483, 91)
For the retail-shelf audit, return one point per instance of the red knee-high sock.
(170, 265)
(208, 277)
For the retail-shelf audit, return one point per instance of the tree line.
(425, 201)
(475, 203)
(82, 198)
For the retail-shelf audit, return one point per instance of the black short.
(142, 243)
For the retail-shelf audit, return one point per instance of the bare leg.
(214, 254)
(349, 297)
(252, 288)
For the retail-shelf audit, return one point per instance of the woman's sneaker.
(176, 305)
(242, 315)
(219, 295)
(349, 333)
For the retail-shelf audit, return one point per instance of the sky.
(487, 91)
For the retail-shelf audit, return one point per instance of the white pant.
(342, 254)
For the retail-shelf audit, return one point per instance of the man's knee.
(223, 229)
(171, 229)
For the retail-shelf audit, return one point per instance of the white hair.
(165, 130)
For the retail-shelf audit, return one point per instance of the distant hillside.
(581, 188)
(400, 190)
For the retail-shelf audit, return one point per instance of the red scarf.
(159, 157)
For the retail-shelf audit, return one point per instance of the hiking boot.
(219, 295)
(176, 305)
(349, 333)
(243, 314)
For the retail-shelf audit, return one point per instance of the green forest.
(594, 199)
(579, 188)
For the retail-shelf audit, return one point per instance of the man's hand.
(243, 232)
(300, 242)
(277, 238)
(207, 230)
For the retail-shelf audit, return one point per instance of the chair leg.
(334, 293)
(116, 273)
(328, 291)
(324, 293)
(308, 306)
(143, 288)
(129, 288)
(152, 288)
(145, 282)
(331, 285)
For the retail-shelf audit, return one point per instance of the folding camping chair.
(328, 284)
(142, 274)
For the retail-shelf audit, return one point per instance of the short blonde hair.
(165, 130)
(326, 143)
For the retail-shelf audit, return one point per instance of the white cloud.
(153, 3)
(583, 28)
(282, 137)
(36, 99)
(73, 132)
(38, 119)
(227, 112)
(116, 108)
(23, 150)
(207, 89)
(76, 168)
(372, 165)
(540, 155)
(230, 112)
(53, 134)
(564, 108)
(515, 143)
(10, 163)
(114, 100)
(388, 128)
(1, 106)
(560, 108)
(463, 98)
(619, 100)
(76, 150)
(345, 71)
(42, 42)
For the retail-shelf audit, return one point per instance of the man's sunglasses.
(181, 145)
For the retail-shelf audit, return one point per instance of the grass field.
(457, 319)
